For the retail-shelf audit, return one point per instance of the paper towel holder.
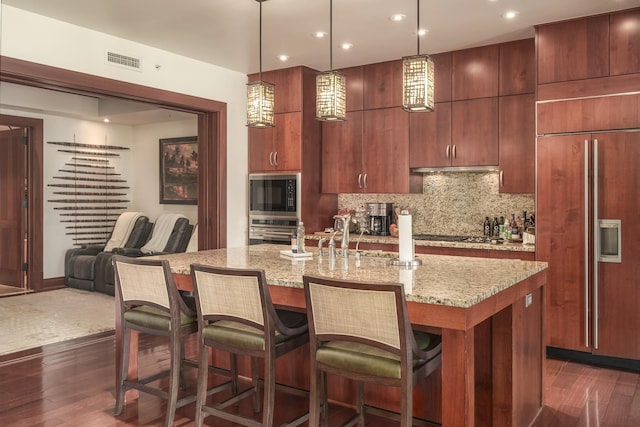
(411, 263)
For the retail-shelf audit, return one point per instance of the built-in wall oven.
(274, 207)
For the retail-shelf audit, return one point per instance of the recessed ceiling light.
(346, 46)
(423, 31)
(510, 14)
(397, 17)
(319, 34)
(283, 57)
(106, 120)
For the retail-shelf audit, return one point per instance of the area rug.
(42, 318)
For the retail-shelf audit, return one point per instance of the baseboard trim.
(51, 284)
(593, 359)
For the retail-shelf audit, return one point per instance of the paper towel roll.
(405, 236)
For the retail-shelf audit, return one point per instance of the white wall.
(146, 172)
(62, 45)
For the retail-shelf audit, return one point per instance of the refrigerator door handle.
(596, 243)
(586, 242)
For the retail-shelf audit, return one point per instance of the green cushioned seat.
(367, 360)
(152, 318)
(246, 337)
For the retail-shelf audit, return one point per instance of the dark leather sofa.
(104, 274)
(79, 263)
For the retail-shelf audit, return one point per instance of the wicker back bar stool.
(150, 304)
(361, 331)
(236, 315)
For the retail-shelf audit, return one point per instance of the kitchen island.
(490, 313)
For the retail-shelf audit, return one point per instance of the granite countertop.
(389, 240)
(447, 280)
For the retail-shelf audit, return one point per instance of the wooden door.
(386, 150)
(561, 239)
(430, 137)
(474, 132)
(517, 143)
(12, 180)
(616, 314)
(625, 42)
(342, 155)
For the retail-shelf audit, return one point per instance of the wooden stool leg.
(174, 377)
(203, 377)
(124, 369)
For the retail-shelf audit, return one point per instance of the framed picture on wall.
(179, 170)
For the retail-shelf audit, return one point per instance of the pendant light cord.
(330, 35)
(418, 25)
(260, 48)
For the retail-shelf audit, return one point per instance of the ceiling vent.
(124, 61)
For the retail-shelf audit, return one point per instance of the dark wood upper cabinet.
(517, 67)
(355, 87)
(625, 42)
(278, 148)
(385, 151)
(517, 143)
(442, 62)
(474, 134)
(430, 137)
(475, 72)
(573, 50)
(383, 85)
(288, 91)
(342, 155)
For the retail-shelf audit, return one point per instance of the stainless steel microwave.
(274, 194)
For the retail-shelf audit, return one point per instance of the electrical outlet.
(528, 300)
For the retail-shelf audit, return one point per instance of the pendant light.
(331, 86)
(418, 79)
(260, 95)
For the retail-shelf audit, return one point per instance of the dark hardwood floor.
(73, 386)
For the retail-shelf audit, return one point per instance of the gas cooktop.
(445, 238)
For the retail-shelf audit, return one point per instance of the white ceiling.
(225, 32)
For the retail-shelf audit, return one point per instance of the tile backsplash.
(451, 203)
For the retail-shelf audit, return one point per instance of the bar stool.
(150, 304)
(361, 331)
(236, 315)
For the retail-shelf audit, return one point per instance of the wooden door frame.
(34, 196)
(212, 148)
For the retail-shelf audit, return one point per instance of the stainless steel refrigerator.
(588, 229)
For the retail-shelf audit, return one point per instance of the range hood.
(455, 169)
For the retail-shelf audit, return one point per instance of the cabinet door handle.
(454, 151)
(446, 152)
(596, 244)
(501, 178)
(275, 158)
(359, 180)
(365, 180)
(586, 243)
(271, 158)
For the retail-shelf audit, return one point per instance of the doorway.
(212, 145)
(13, 215)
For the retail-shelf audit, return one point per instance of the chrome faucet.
(344, 244)
(320, 248)
(332, 246)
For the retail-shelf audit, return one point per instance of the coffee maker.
(380, 215)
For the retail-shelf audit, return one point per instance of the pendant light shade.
(260, 95)
(260, 103)
(331, 86)
(418, 82)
